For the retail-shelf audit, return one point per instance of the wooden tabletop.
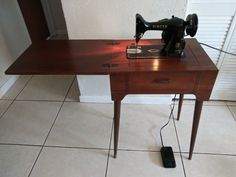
(103, 57)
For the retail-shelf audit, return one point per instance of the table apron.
(198, 83)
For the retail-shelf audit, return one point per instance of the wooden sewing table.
(194, 73)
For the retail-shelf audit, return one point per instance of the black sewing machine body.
(173, 32)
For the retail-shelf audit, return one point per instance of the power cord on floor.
(173, 105)
(217, 49)
(167, 153)
(171, 114)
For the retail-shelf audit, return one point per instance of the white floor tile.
(210, 166)
(46, 88)
(216, 133)
(140, 126)
(60, 162)
(4, 105)
(27, 122)
(74, 92)
(17, 161)
(142, 164)
(205, 103)
(231, 103)
(233, 111)
(84, 125)
(17, 87)
(191, 102)
(214, 103)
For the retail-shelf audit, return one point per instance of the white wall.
(5, 59)
(109, 19)
(14, 39)
(112, 19)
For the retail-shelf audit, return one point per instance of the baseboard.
(187, 96)
(148, 99)
(130, 99)
(8, 85)
(95, 99)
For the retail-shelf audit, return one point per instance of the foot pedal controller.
(168, 158)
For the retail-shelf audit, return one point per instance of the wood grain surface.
(103, 57)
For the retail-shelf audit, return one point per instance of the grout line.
(81, 147)
(102, 149)
(231, 113)
(35, 161)
(18, 144)
(176, 133)
(72, 101)
(57, 101)
(208, 153)
(139, 150)
(45, 141)
(37, 100)
(23, 88)
(230, 103)
(6, 99)
(7, 108)
(193, 99)
(50, 129)
(187, 104)
(108, 157)
(68, 101)
(181, 157)
(58, 112)
(75, 147)
(212, 105)
(204, 105)
(223, 103)
(15, 98)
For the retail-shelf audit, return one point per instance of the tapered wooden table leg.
(116, 125)
(196, 119)
(181, 97)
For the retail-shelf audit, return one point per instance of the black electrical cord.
(217, 49)
(171, 114)
(173, 105)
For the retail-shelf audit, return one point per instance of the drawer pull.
(162, 81)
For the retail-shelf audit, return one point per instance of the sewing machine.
(173, 42)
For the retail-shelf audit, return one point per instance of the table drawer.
(161, 82)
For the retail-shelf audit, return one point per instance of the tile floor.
(46, 132)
